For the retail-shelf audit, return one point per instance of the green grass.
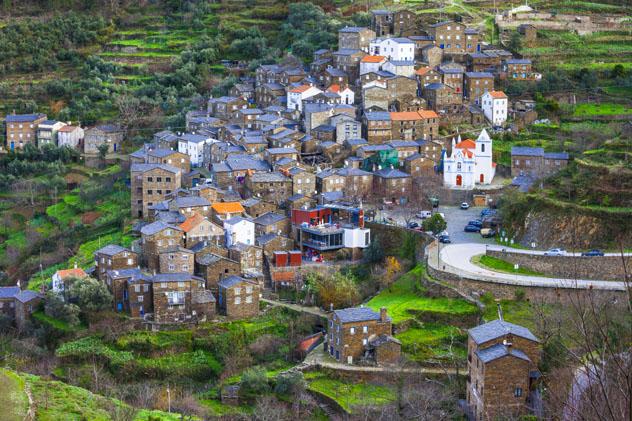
(405, 297)
(85, 254)
(218, 409)
(42, 317)
(13, 398)
(591, 109)
(433, 341)
(350, 394)
(64, 213)
(499, 265)
(514, 311)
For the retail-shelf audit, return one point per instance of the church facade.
(469, 163)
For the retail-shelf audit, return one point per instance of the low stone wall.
(392, 237)
(477, 288)
(606, 268)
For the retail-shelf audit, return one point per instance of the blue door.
(12, 146)
(115, 147)
(441, 46)
(478, 48)
(119, 307)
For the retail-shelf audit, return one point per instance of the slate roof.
(357, 314)
(352, 172)
(383, 339)
(354, 142)
(22, 118)
(265, 239)
(111, 250)
(269, 218)
(401, 62)
(498, 328)
(274, 151)
(231, 281)
(518, 61)
(190, 201)
(203, 297)
(346, 52)
(193, 138)
(208, 259)
(133, 274)
(556, 155)
(174, 277)
(378, 115)
(235, 220)
(9, 292)
(498, 351)
(527, 151)
(268, 177)
(479, 74)
(27, 295)
(160, 153)
(137, 167)
(404, 144)
(391, 173)
(156, 227)
(433, 86)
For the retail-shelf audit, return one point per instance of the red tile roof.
(466, 144)
(372, 59)
(300, 89)
(191, 222)
(74, 273)
(228, 207)
(497, 94)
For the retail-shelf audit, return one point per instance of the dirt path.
(30, 415)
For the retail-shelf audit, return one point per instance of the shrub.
(520, 294)
(292, 383)
(254, 382)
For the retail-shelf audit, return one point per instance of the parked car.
(472, 228)
(593, 252)
(491, 221)
(476, 223)
(424, 214)
(488, 212)
(487, 232)
(465, 206)
(555, 252)
(445, 239)
(413, 225)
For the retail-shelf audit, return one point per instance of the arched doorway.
(482, 178)
(459, 180)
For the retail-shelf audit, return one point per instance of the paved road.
(456, 259)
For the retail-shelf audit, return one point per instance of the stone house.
(353, 144)
(324, 133)
(431, 55)
(62, 276)
(190, 205)
(519, 69)
(246, 117)
(272, 223)
(413, 125)
(244, 90)
(535, 163)
(107, 134)
(7, 300)
(529, 34)
(485, 61)
(256, 207)
(303, 182)
(177, 295)
(238, 297)
(377, 127)
(405, 23)
(368, 151)
(132, 291)
(151, 184)
(223, 211)
(272, 155)
(332, 151)
(418, 165)
(47, 132)
(452, 75)
(357, 183)
(18, 305)
(250, 257)
(329, 181)
(169, 157)
(21, 129)
(271, 187)
(502, 362)
(392, 185)
(454, 38)
(213, 268)
(113, 257)
(225, 107)
(176, 259)
(382, 22)
(404, 148)
(198, 228)
(442, 98)
(155, 238)
(334, 76)
(349, 331)
(348, 61)
(427, 75)
(355, 38)
(270, 94)
(375, 97)
(475, 84)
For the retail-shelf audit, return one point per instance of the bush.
(57, 308)
(292, 383)
(435, 224)
(520, 294)
(254, 382)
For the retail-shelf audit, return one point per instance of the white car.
(555, 252)
(424, 214)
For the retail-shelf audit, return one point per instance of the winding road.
(456, 259)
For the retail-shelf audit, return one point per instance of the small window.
(518, 392)
(237, 300)
(352, 331)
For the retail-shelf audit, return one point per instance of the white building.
(494, 105)
(193, 145)
(71, 136)
(239, 230)
(347, 96)
(469, 163)
(356, 237)
(296, 96)
(59, 278)
(400, 68)
(398, 49)
(371, 64)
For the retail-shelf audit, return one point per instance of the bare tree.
(268, 408)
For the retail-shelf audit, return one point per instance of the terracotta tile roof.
(68, 129)
(428, 114)
(334, 88)
(191, 222)
(228, 207)
(300, 89)
(468, 153)
(466, 144)
(405, 115)
(75, 273)
(372, 59)
(497, 94)
(423, 70)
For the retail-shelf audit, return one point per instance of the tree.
(290, 384)
(254, 382)
(392, 270)
(435, 224)
(375, 252)
(338, 289)
(103, 151)
(91, 295)
(57, 308)
(515, 42)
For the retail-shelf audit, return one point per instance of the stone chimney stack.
(383, 314)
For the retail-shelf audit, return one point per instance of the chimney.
(383, 314)
(331, 306)
(75, 265)
(500, 312)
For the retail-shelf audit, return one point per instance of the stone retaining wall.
(477, 288)
(392, 237)
(606, 268)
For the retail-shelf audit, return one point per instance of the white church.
(469, 163)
